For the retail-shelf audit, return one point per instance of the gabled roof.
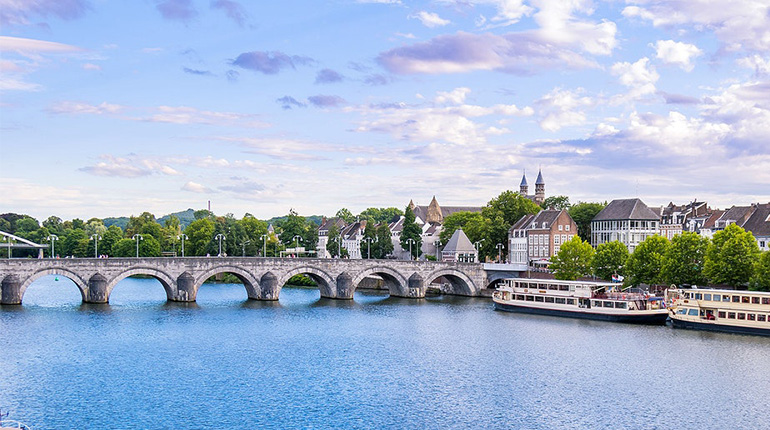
(522, 223)
(759, 222)
(548, 217)
(626, 209)
(459, 243)
(738, 214)
(397, 225)
(712, 220)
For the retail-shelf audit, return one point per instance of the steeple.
(523, 187)
(411, 205)
(539, 188)
(434, 215)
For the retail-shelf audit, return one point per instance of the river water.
(375, 362)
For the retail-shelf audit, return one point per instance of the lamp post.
(182, 237)
(437, 244)
(297, 238)
(137, 237)
(95, 237)
(369, 241)
(243, 247)
(338, 239)
(53, 238)
(220, 237)
(9, 240)
(477, 244)
(410, 241)
(499, 252)
(264, 245)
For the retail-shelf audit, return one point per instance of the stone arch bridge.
(263, 278)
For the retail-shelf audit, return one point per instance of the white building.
(628, 221)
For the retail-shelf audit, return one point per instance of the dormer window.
(545, 225)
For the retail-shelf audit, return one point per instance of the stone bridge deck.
(263, 278)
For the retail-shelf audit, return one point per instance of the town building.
(539, 197)
(754, 218)
(459, 248)
(675, 219)
(628, 221)
(534, 239)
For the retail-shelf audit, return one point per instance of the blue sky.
(113, 108)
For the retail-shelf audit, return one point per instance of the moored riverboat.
(730, 311)
(578, 299)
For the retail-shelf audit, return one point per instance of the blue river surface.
(374, 362)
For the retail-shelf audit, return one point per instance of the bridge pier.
(185, 288)
(11, 290)
(416, 287)
(345, 287)
(97, 289)
(268, 287)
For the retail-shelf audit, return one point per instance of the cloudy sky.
(116, 107)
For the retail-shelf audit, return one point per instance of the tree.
(610, 258)
(384, 245)
(761, 279)
(74, 243)
(53, 224)
(683, 261)
(501, 213)
(556, 202)
(645, 263)
(334, 242)
(583, 213)
(253, 230)
(110, 237)
(411, 231)
(345, 215)
(367, 244)
(473, 224)
(573, 260)
(148, 247)
(380, 215)
(296, 225)
(731, 256)
(200, 232)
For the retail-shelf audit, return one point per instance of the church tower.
(540, 188)
(434, 215)
(523, 187)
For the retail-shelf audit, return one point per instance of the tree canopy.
(411, 234)
(731, 256)
(683, 262)
(645, 263)
(573, 260)
(610, 259)
(761, 279)
(583, 213)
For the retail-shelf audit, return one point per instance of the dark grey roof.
(523, 180)
(459, 243)
(539, 180)
(759, 222)
(422, 211)
(738, 214)
(548, 217)
(522, 223)
(626, 209)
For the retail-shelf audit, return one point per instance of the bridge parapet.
(263, 278)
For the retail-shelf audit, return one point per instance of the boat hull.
(645, 319)
(723, 328)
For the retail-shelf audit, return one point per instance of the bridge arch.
(249, 280)
(166, 280)
(459, 283)
(395, 281)
(81, 283)
(326, 282)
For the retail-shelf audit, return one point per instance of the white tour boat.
(579, 299)
(732, 311)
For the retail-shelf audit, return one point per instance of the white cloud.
(456, 96)
(430, 19)
(639, 76)
(562, 108)
(75, 108)
(195, 187)
(508, 11)
(740, 24)
(90, 66)
(128, 167)
(746, 108)
(676, 134)
(760, 65)
(559, 25)
(10, 84)
(28, 47)
(677, 53)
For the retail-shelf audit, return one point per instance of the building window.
(566, 227)
(561, 226)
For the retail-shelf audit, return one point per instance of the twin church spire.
(539, 196)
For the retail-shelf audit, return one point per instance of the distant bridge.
(263, 278)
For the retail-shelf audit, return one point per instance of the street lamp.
(437, 244)
(53, 238)
(243, 246)
(338, 239)
(182, 237)
(297, 238)
(96, 238)
(220, 237)
(9, 240)
(477, 245)
(369, 241)
(264, 245)
(410, 241)
(137, 237)
(499, 252)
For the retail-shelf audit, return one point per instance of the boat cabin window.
(741, 316)
(745, 299)
(530, 298)
(736, 299)
(760, 318)
(755, 300)
(751, 317)
(596, 304)
(538, 298)
(549, 299)
(698, 296)
(682, 311)
(717, 297)
(693, 312)
(519, 297)
(707, 297)
(722, 314)
(609, 305)
(561, 300)
(766, 300)
(620, 305)
(553, 287)
(731, 315)
(563, 287)
(725, 298)
(570, 301)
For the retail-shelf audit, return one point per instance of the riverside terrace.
(263, 278)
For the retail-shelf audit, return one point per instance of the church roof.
(459, 243)
(540, 180)
(434, 215)
(523, 180)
